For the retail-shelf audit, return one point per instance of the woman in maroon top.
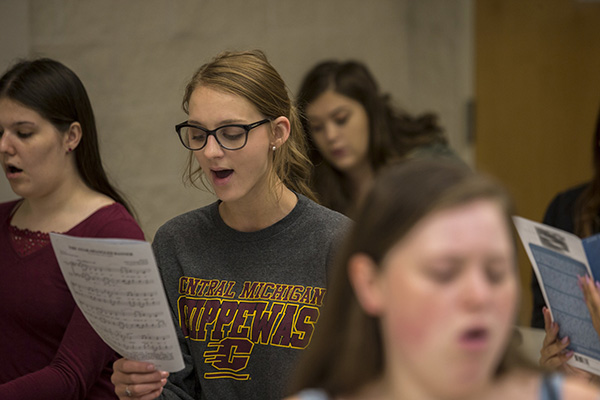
(49, 154)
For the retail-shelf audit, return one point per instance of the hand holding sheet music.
(559, 258)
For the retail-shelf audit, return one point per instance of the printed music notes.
(117, 286)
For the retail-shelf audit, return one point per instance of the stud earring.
(274, 148)
(70, 150)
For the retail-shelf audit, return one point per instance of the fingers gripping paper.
(558, 258)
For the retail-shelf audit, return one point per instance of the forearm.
(47, 383)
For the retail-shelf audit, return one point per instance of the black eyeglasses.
(230, 137)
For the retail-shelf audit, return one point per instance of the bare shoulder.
(575, 388)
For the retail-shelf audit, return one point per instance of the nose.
(331, 131)
(212, 149)
(477, 290)
(5, 144)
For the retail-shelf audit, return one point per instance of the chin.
(20, 191)
(227, 196)
(344, 167)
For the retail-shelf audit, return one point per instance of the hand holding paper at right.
(554, 353)
(559, 259)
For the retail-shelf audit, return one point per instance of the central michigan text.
(262, 312)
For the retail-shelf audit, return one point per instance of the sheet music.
(117, 286)
(558, 258)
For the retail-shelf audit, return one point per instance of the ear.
(72, 136)
(364, 277)
(281, 131)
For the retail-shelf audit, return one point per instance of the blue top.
(551, 387)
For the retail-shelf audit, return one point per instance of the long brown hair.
(346, 351)
(58, 95)
(250, 75)
(587, 209)
(393, 132)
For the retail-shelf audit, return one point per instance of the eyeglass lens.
(230, 137)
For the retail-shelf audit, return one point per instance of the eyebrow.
(332, 113)
(221, 123)
(21, 123)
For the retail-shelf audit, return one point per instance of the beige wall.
(14, 42)
(135, 57)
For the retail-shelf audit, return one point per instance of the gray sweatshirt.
(246, 304)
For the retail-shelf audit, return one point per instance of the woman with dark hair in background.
(353, 131)
(49, 154)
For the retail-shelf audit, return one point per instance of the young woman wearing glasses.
(246, 275)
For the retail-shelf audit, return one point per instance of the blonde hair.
(250, 75)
